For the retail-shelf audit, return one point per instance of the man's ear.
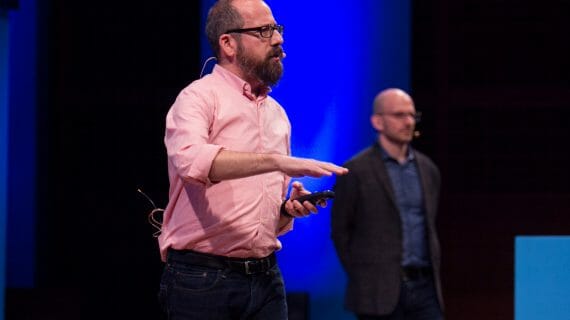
(228, 45)
(376, 122)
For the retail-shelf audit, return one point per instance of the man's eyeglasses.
(417, 116)
(264, 31)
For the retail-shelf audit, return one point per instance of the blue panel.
(22, 145)
(206, 52)
(542, 278)
(339, 56)
(3, 151)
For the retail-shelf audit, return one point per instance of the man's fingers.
(299, 167)
(322, 203)
(300, 208)
(328, 169)
(310, 207)
(298, 186)
(333, 168)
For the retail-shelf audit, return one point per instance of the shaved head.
(387, 97)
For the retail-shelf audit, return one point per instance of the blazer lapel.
(428, 199)
(379, 170)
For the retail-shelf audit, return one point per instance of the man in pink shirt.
(229, 167)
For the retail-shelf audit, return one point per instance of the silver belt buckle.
(247, 271)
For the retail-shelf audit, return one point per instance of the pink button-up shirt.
(239, 217)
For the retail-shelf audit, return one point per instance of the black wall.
(8, 4)
(115, 69)
(493, 77)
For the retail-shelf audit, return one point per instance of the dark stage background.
(494, 73)
(497, 73)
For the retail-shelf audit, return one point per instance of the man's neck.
(398, 151)
(259, 90)
(257, 87)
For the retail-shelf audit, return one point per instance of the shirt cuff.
(200, 169)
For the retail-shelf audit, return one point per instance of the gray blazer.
(366, 230)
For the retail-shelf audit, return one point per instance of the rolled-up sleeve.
(188, 125)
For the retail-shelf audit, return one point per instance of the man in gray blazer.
(383, 220)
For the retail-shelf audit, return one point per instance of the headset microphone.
(417, 134)
(204, 65)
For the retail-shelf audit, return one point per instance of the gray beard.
(268, 72)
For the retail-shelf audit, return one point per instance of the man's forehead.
(254, 11)
(398, 102)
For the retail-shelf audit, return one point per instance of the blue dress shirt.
(407, 188)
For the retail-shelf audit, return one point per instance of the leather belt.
(415, 273)
(242, 265)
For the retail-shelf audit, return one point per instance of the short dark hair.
(223, 16)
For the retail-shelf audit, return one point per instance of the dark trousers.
(418, 301)
(189, 291)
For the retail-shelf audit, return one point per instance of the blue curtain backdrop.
(339, 55)
(18, 144)
(3, 150)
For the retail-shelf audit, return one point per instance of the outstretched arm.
(232, 165)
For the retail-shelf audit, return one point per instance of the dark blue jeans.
(197, 292)
(418, 301)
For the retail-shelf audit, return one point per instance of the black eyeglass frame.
(261, 30)
(417, 116)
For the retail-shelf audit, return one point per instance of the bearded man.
(229, 165)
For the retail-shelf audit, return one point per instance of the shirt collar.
(238, 83)
(386, 156)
